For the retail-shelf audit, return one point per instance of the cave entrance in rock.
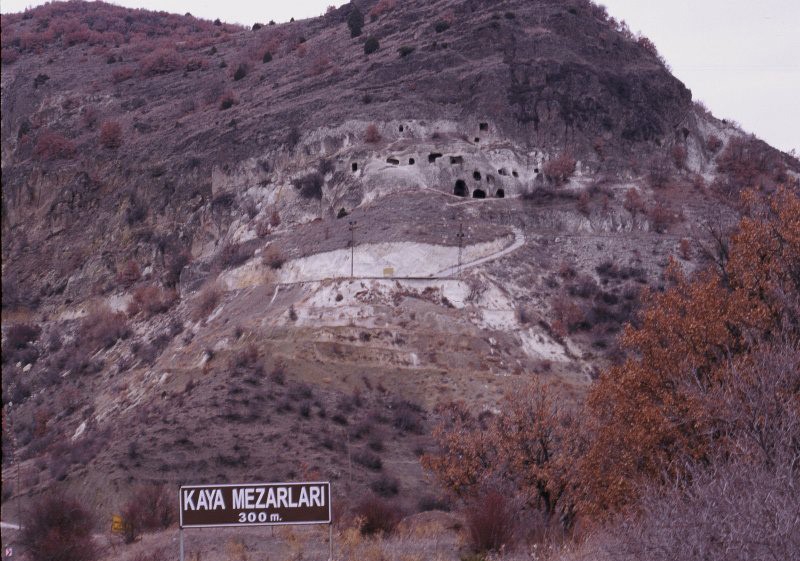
(501, 194)
(460, 190)
(479, 194)
(354, 167)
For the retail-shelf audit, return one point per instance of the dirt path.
(519, 241)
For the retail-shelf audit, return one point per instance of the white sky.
(740, 57)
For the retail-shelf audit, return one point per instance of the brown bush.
(368, 459)
(583, 203)
(378, 516)
(110, 134)
(122, 74)
(20, 335)
(175, 261)
(53, 146)
(310, 185)
(372, 134)
(102, 328)
(385, 486)
(659, 172)
(151, 299)
(128, 273)
(491, 522)
(150, 507)
(227, 100)
(661, 217)
(206, 301)
(273, 257)
(679, 155)
(713, 143)
(58, 528)
(274, 219)
(560, 169)
(241, 71)
(161, 61)
(381, 8)
(633, 202)
(234, 254)
(685, 249)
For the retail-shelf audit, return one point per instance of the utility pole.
(352, 228)
(460, 237)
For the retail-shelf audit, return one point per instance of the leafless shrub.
(372, 135)
(20, 335)
(377, 516)
(407, 416)
(58, 528)
(161, 61)
(634, 203)
(275, 219)
(150, 507)
(661, 217)
(734, 512)
(559, 169)
(234, 254)
(713, 143)
(310, 185)
(173, 266)
(385, 486)
(111, 134)
(102, 328)
(245, 358)
(679, 155)
(273, 258)
(206, 301)
(128, 273)
(151, 299)
(491, 522)
(368, 459)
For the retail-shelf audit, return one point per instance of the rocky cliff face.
(181, 201)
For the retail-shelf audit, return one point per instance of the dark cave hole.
(479, 194)
(501, 194)
(460, 189)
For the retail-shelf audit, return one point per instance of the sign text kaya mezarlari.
(255, 504)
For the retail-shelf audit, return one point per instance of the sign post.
(255, 504)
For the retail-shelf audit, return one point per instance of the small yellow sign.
(388, 271)
(117, 524)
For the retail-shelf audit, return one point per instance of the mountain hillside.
(272, 253)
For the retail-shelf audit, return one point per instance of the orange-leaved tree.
(530, 445)
(656, 412)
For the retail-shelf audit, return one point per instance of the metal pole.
(330, 541)
(181, 533)
(352, 245)
(460, 236)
